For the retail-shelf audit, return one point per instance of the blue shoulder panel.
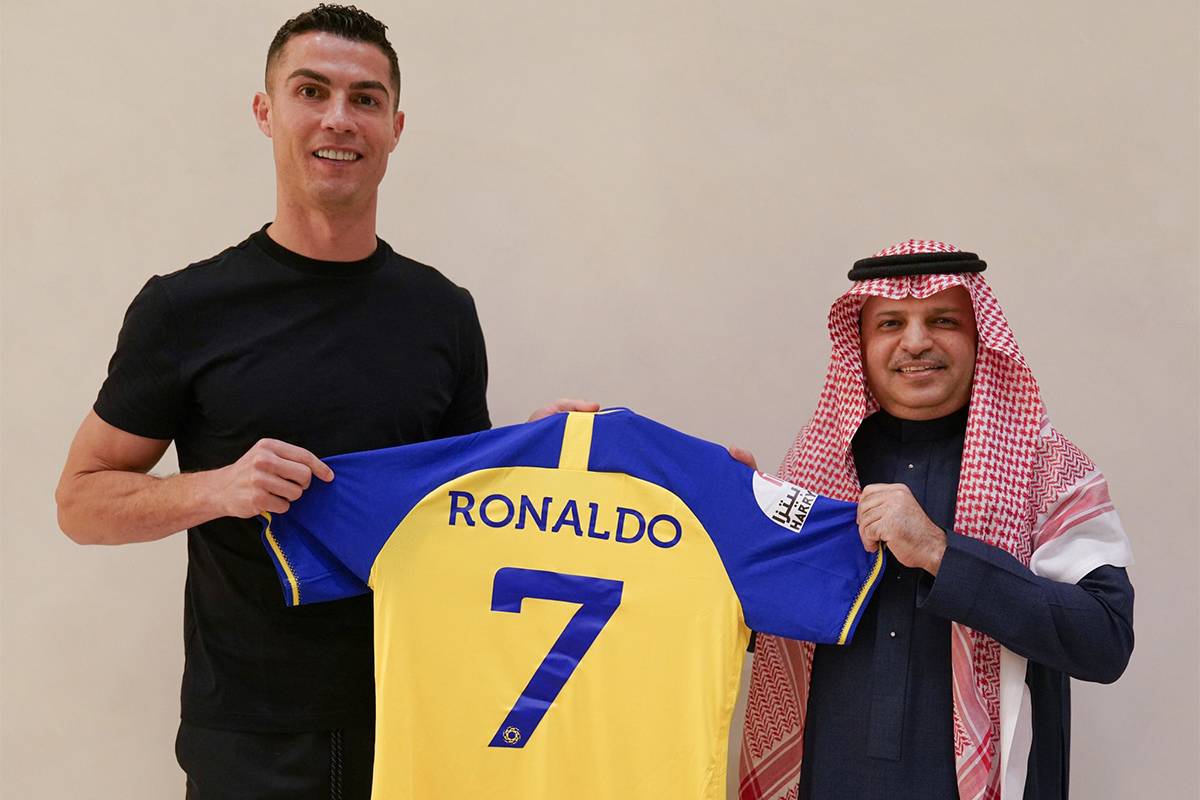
(800, 573)
(325, 545)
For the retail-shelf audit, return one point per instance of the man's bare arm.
(105, 495)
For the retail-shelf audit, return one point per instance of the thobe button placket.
(895, 621)
(906, 648)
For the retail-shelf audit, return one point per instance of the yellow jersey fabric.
(562, 607)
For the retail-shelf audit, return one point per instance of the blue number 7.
(599, 598)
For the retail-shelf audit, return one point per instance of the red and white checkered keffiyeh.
(1023, 487)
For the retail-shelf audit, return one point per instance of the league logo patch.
(784, 503)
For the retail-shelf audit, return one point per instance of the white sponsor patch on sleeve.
(784, 503)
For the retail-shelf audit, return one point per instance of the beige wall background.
(654, 204)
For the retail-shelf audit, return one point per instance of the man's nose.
(916, 339)
(337, 115)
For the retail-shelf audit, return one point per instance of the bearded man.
(1006, 574)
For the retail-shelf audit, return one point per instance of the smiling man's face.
(919, 354)
(329, 113)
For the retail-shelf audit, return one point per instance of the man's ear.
(262, 112)
(397, 128)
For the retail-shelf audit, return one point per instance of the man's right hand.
(105, 495)
(269, 477)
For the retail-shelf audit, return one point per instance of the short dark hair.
(347, 22)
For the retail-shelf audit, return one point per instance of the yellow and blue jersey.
(562, 607)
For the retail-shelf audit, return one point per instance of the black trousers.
(242, 765)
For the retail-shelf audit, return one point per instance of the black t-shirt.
(331, 356)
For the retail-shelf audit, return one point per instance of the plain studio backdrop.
(654, 204)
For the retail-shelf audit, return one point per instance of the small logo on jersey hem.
(785, 504)
(512, 734)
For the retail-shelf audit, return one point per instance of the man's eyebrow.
(308, 73)
(896, 312)
(369, 85)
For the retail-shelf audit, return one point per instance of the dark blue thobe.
(880, 710)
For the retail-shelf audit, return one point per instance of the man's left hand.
(563, 404)
(888, 513)
(744, 456)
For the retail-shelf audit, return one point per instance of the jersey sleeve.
(324, 547)
(794, 557)
(143, 393)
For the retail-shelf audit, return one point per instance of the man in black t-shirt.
(312, 337)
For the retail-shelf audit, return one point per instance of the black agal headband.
(915, 264)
